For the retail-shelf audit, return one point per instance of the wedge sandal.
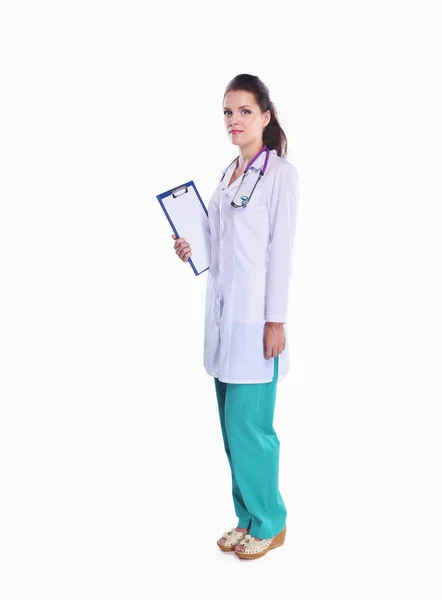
(231, 539)
(253, 548)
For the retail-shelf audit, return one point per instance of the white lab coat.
(250, 270)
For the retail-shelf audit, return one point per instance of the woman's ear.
(268, 117)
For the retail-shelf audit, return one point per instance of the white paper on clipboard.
(188, 218)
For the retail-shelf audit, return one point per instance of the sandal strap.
(252, 545)
(248, 538)
(233, 537)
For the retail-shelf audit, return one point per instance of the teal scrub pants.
(246, 414)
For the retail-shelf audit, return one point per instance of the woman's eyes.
(244, 109)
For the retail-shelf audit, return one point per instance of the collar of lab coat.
(259, 162)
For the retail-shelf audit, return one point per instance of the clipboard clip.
(179, 191)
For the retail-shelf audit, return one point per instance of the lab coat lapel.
(259, 162)
(237, 181)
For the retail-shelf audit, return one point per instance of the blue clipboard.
(188, 218)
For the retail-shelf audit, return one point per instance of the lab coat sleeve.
(283, 209)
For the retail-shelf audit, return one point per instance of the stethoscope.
(246, 199)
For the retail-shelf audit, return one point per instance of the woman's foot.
(241, 547)
(252, 547)
(231, 538)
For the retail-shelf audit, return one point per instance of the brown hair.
(273, 135)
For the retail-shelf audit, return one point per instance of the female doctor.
(252, 217)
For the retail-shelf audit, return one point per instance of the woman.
(252, 217)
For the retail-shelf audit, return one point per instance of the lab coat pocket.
(255, 210)
(210, 308)
(211, 330)
(249, 298)
(251, 225)
(247, 354)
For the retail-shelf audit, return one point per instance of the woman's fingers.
(268, 351)
(182, 248)
(179, 242)
(272, 350)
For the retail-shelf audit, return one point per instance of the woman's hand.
(274, 339)
(182, 248)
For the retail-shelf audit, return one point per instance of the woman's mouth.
(235, 131)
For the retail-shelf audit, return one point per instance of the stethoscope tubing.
(261, 173)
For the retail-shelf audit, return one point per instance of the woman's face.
(242, 114)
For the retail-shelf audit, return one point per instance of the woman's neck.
(246, 153)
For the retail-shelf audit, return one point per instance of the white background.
(114, 482)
